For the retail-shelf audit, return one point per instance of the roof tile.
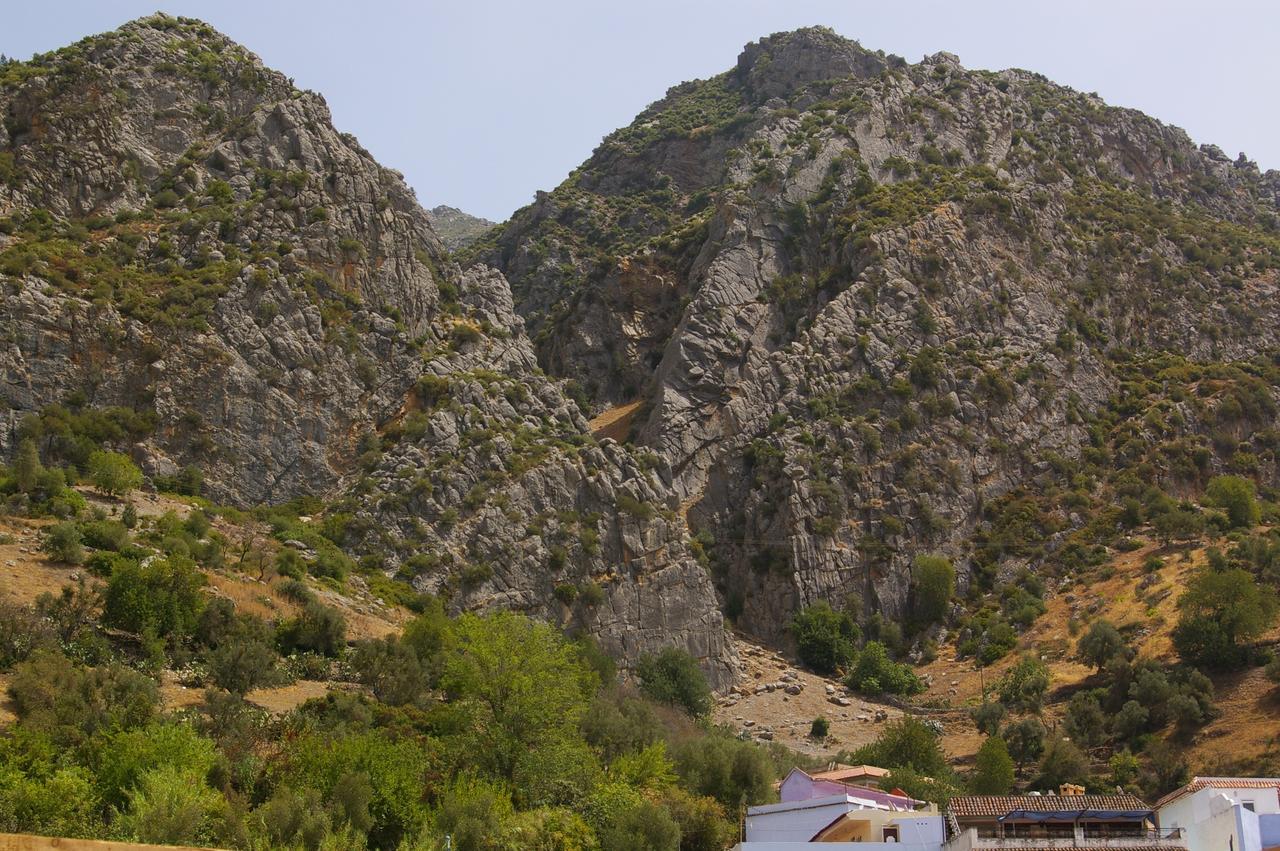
(968, 806)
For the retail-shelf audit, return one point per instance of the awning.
(1075, 815)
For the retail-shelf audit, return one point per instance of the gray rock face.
(896, 292)
(188, 234)
(455, 228)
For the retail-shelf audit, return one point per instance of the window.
(1248, 805)
(891, 834)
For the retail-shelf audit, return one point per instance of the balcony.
(1060, 840)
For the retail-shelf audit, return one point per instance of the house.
(856, 775)
(800, 785)
(1066, 821)
(816, 809)
(1225, 813)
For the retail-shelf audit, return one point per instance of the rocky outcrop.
(455, 228)
(186, 234)
(889, 298)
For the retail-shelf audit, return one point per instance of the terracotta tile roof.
(847, 771)
(1198, 783)
(994, 806)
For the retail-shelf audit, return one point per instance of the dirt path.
(616, 422)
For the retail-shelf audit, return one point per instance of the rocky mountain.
(190, 249)
(855, 310)
(455, 228)
(868, 309)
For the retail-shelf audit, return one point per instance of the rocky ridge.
(865, 302)
(186, 237)
(455, 228)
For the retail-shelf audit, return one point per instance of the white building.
(841, 816)
(1225, 813)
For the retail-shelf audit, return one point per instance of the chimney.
(1070, 789)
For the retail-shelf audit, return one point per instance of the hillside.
(836, 408)
(455, 228)
(870, 310)
(188, 245)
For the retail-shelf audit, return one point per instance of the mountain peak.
(779, 64)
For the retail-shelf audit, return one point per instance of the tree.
(1131, 720)
(826, 640)
(162, 596)
(819, 728)
(875, 673)
(26, 467)
(1221, 609)
(935, 583)
(988, 716)
(1086, 722)
(113, 474)
(63, 542)
(993, 770)
(673, 676)
(732, 771)
(1023, 686)
(318, 628)
(1236, 496)
(904, 743)
(242, 664)
(523, 686)
(1102, 643)
(1062, 762)
(1025, 740)
(1179, 524)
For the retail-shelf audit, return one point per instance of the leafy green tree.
(59, 802)
(1180, 524)
(993, 769)
(391, 669)
(1024, 685)
(162, 596)
(647, 827)
(672, 676)
(69, 704)
(875, 673)
(1025, 740)
(26, 466)
(173, 805)
(1236, 496)
(904, 743)
(988, 716)
(1062, 762)
(1131, 720)
(1221, 609)
(826, 640)
(474, 811)
(1124, 770)
(127, 755)
(64, 542)
(1102, 643)
(819, 728)
(242, 664)
(1086, 722)
(523, 686)
(317, 628)
(934, 584)
(733, 772)
(113, 474)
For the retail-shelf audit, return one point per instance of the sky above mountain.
(481, 104)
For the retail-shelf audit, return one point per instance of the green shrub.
(819, 728)
(934, 584)
(993, 769)
(875, 673)
(673, 676)
(317, 629)
(113, 473)
(162, 597)
(1236, 496)
(63, 542)
(826, 640)
(1024, 685)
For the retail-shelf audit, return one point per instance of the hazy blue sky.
(482, 103)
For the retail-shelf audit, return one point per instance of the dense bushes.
(875, 673)
(1220, 610)
(826, 640)
(673, 676)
